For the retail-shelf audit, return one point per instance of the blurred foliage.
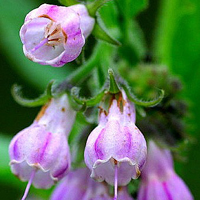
(166, 33)
(177, 44)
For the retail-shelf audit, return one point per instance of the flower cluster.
(115, 150)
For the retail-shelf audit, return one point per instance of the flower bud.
(78, 185)
(40, 152)
(54, 35)
(116, 149)
(159, 180)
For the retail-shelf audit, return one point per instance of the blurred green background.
(171, 30)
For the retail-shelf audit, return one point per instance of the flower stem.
(116, 182)
(81, 73)
(29, 185)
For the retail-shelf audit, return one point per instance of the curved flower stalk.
(78, 185)
(116, 150)
(40, 153)
(159, 180)
(54, 35)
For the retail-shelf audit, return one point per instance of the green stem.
(81, 73)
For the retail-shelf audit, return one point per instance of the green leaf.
(94, 6)
(177, 45)
(110, 16)
(101, 34)
(134, 46)
(131, 8)
(41, 100)
(150, 103)
(69, 2)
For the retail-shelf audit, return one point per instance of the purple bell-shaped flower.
(54, 35)
(159, 180)
(40, 153)
(116, 149)
(78, 185)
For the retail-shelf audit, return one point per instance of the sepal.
(16, 91)
(86, 102)
(100, 33)
(113, 88)
(94, 6)
(134, 99)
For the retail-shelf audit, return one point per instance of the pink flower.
(159, 180)
(116, 150)
(40, 153)
(54, 35)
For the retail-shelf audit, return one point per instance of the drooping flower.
(159, 180)
(116, 150)
(54, 35)
(40, 152)
(78, 185)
